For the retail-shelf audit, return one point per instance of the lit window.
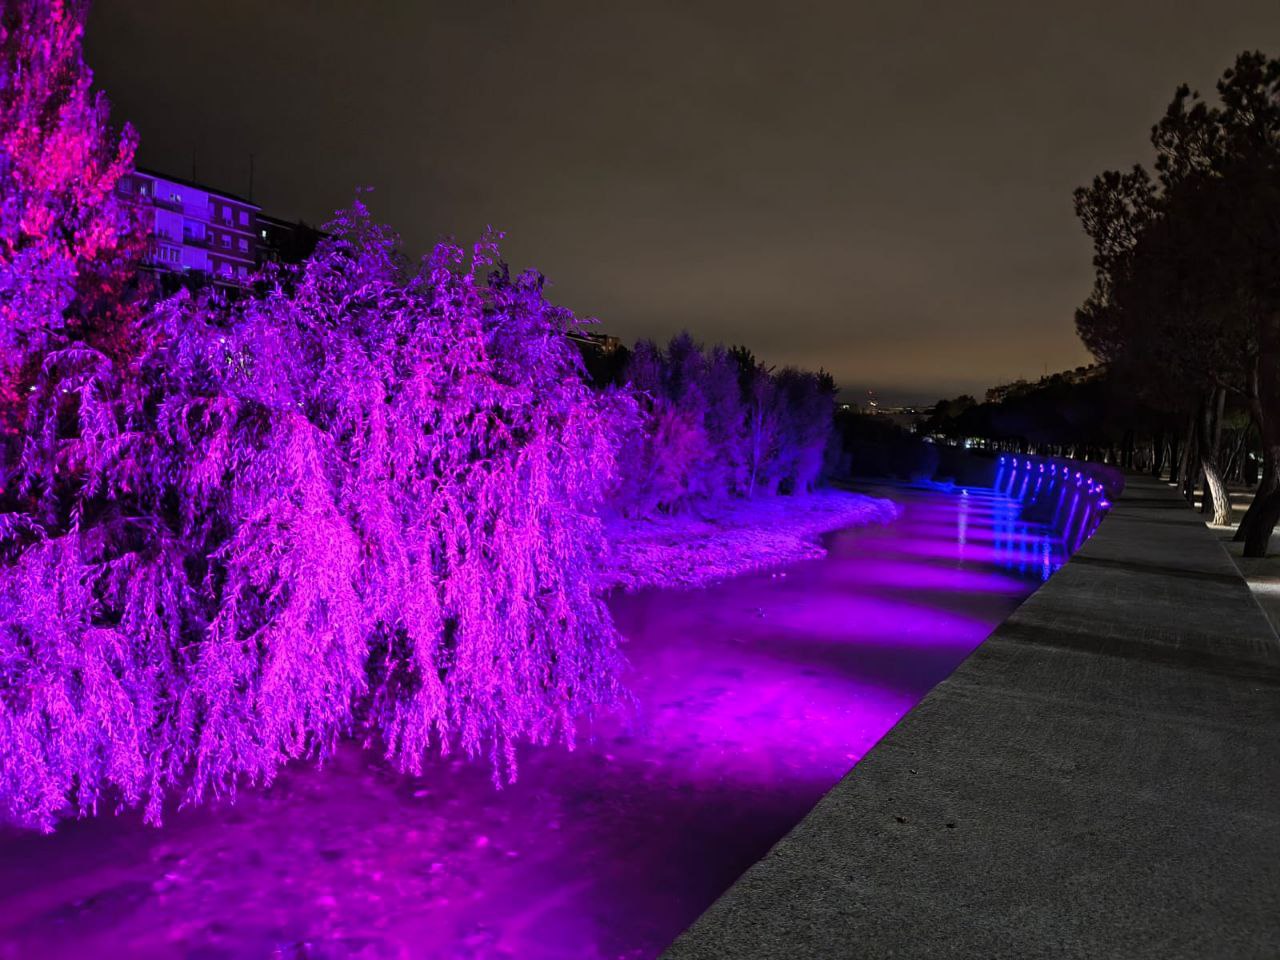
(244, 218)
(226, 241)
(264, 234)
(244, 244)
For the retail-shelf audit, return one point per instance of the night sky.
(883, 189)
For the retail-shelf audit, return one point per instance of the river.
(753, 697)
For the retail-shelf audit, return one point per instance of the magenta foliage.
(74, 686)
(62, 237)
(396, 484)
(717, 424)
(363, 499)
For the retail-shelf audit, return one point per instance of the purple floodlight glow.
(752, 698)
(358, 505)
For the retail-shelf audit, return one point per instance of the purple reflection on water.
(753, 697)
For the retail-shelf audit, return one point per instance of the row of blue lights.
(1080, 478)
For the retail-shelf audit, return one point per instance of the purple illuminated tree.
(369, 505)
(668, 453)
(74, 694)
(361, 498)
(67, 249)
(408, 470)
(718, 424)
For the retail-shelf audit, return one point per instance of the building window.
(226, 241)
(244, 244)
(244, 218)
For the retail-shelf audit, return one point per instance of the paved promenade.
(1100, 779)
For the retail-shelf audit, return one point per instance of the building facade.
(283, 241)
(196, 234)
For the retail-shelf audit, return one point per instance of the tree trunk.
(1209, 427)
(1157, 455)
(1190, 466)
(1257, 537)
(1270, 477)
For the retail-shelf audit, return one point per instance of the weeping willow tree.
(365, 502)
(361, 500)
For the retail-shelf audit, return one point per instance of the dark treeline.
(1184, 315)
(1087, 414)
(1185, 309)
(875, 446)
(1099, 417)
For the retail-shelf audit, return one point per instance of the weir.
(1099, 779)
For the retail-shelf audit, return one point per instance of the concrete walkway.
(1100, 779)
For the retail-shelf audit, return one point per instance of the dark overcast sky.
(880, 189)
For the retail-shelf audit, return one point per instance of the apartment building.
(196, 232)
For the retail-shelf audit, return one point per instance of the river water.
(753, 698)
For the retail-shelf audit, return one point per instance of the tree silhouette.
(1186, 303)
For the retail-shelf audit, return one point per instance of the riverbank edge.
(695, 549)
(1098, 779)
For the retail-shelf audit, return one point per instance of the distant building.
(195, 232)
(1006, 390)
(281, 241)
(198, 234)
(908, 418)
(1018, 388)
(603, 355)
(600, 343)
